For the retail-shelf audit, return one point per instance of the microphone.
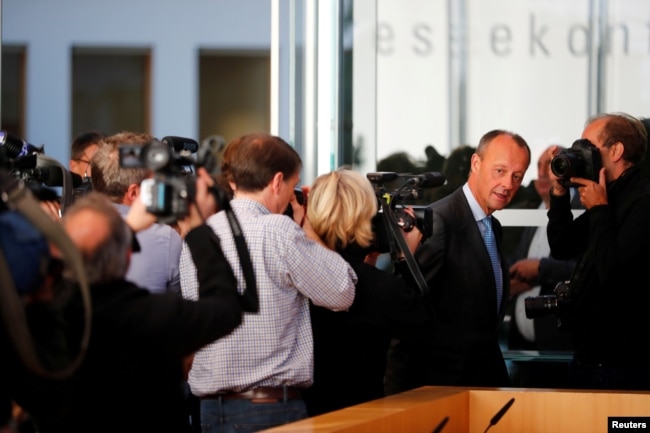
(382, 176)
(180, 144)
(442, 423)
(427, 180)
(497, 417)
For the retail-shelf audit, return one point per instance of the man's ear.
(276, 183)
(475, 163)
(131, 194)
(617, 150)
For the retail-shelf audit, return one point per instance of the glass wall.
(420, 79)
(441, 73)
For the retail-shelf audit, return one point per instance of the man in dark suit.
(468, 294)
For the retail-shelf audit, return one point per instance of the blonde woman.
(350, 347)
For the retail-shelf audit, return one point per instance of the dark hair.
(82, 141)
(251, 161)
(621, 127)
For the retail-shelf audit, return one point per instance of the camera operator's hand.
(204, 204)
(371, 258)
(414, 236)
(592, 193)
(300, 216)
(138, 218)
(300, 210)
(557, 188)
(52, 208)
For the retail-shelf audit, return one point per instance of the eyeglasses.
(87, 162)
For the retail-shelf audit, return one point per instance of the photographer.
(156, 268)
(350, 347)
(132, 376)
(606, 306)
(253, 379)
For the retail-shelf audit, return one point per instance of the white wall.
(174, 29)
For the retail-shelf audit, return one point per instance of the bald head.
(88, 229)
(101, 235)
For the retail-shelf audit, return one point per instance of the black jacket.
(131, 378)
(350, 347)
(608, 311)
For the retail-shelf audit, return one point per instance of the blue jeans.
(242, 416)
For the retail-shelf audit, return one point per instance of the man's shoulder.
(451, 204)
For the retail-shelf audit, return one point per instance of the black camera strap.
(249, 299)
(395, 233)
(17, 196)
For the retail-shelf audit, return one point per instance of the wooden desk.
(471, 409)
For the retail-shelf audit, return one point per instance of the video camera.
(29, 164)
(392, 211)
(173, 161)
(582, 159)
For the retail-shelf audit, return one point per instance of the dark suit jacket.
(461, 346)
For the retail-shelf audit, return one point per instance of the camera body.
(582, 159)
(300, 198)
(545, 305)
(37, 171)
(171, 189)
(392, 211)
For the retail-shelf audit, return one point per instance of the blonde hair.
(340, 208)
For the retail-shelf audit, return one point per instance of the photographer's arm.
(204, 204)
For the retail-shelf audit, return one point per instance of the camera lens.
(540, 306)
(561, 166)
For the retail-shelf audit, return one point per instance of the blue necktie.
(491, 244)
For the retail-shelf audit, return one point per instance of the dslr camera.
(392, 211)
(171, 189)
(545, 305)
(582, 159)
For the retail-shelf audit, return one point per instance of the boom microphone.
(427, 180)
(382, 176)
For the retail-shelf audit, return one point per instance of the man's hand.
(592, 193)
(525, 270)
(300, 210)
(138, 218)
(204, 204)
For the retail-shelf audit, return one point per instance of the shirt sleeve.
(320, 274)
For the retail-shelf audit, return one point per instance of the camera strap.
(17, 196)
(249, 299)
(396, 234)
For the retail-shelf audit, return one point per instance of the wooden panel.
(471, 409)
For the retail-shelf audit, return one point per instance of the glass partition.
(420, 79)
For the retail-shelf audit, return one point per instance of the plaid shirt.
(275, 346)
